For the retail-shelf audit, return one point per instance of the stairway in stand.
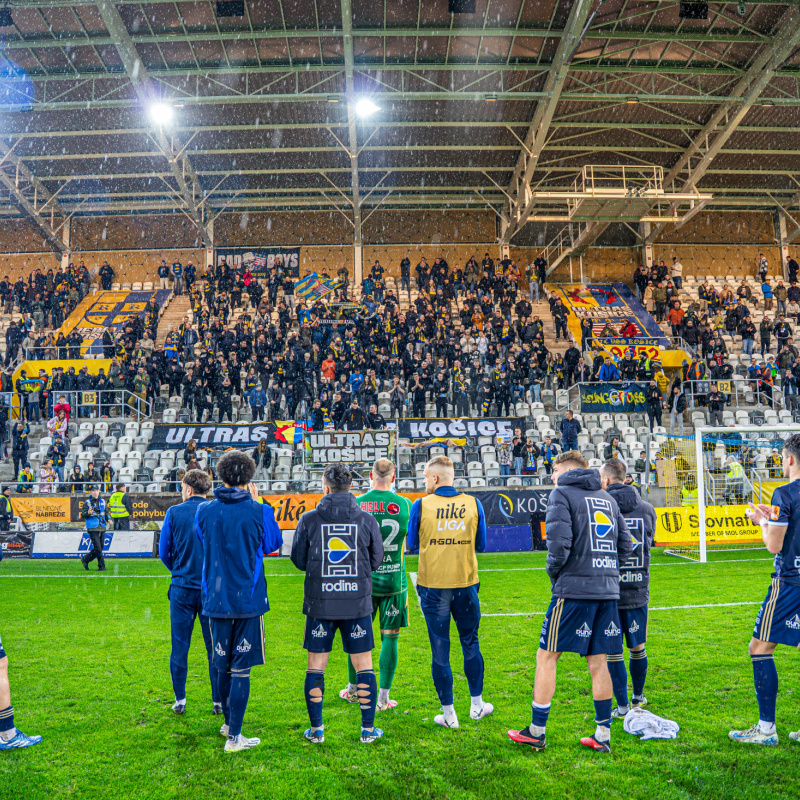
(173, 314)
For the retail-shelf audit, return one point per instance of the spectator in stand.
(57, 454)
(47, 478)
(570, 428)
(504, 458)
(677, 273)
(20, 445)
(177, 277)
(655, 403)
(62, 406)
(716, 405)
(262, 456)
(58, 425)
(766, 290)
(675, 318)
(549, 451)
(781, 294)
(608, 372)
(677, 405)
(106, 276)
(791, 268)
(25, 480)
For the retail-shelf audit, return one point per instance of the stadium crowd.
(469, 343)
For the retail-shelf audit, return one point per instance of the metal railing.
(99, 402)
(762, 393)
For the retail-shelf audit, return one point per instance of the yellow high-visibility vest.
(116, 510)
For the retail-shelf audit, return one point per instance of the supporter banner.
(616, 314)
(510, 507)
(724, 524)
(107, 310)
(36, 508)
(74, 544)
(613, 397)
(93, 365)
(16, 544)
(508, 539)
(619, 347)
(349, 447)
(176, 437)
(259, 260)
(453, 428)
(146, 507)
(765, 489)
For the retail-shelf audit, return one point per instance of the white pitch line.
(81, 576)
(673, 564)
(413, 577)
(654, 608)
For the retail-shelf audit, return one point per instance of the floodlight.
(365, 107)
(161, 113)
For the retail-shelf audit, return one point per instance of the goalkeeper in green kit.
(389, 582)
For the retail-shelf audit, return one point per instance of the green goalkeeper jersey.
(391, 511)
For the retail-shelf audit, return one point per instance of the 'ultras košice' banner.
(176, 437)
(616, 397)
(456, 428)
(350, 447)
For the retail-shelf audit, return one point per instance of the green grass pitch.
(90, 672)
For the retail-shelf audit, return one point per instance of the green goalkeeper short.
(392, 610)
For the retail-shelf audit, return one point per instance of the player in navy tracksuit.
(10, 737)
(634, 587)
(778, 619)
(587, 540)
(236, 532)
(338, 546)
(182, 554)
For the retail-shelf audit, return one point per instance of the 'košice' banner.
(613, 397)
(259, 260)
(349, 447)
(210, 435)
(456, 428)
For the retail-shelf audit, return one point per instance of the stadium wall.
(717, 243)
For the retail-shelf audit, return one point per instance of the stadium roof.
(474, 110)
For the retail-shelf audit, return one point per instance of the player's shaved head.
(383, 469)
(791, 450)
(614, 471)
(438, 472)
(572, 459)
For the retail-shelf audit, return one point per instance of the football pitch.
(89, 671)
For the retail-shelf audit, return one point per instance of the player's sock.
(602, 717)
(619, 677)
(766, 681)
(638, 666)
(351, 676)
(367, 690)
(450, 716)
(539, 715)
(473, 665)
(387, 662)
(224, 686)
(240, 692)
(7, 729)
(315, 691)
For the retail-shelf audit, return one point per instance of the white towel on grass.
(647, 725)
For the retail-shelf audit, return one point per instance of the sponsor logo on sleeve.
(775, 513)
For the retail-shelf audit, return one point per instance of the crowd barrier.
(515, 519)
